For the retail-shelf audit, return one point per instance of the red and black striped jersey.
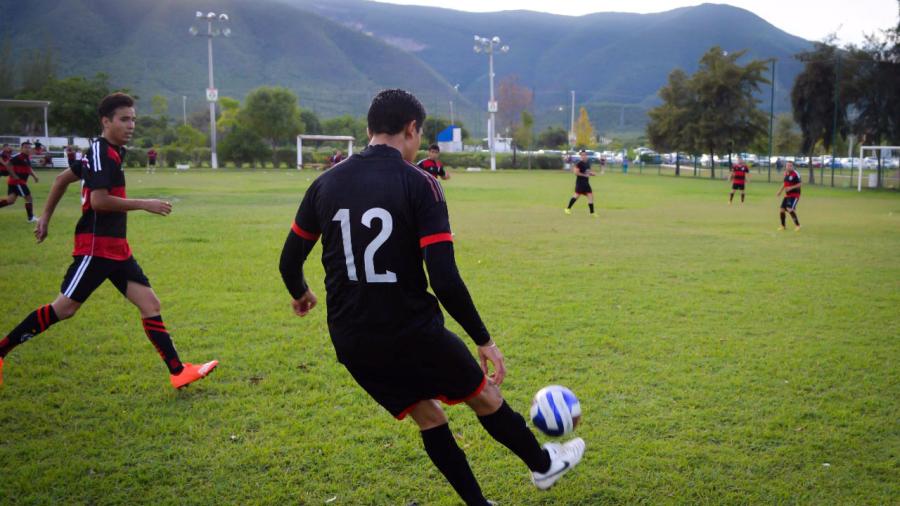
(101, 234)
(739, 173)
(375, 213)
(6, 154)
(791, 179)
(433, 167)
(20, 169)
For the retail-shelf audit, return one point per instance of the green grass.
(717, 360)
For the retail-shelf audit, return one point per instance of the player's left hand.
(40, 229)
(304, 304)
(491, 353)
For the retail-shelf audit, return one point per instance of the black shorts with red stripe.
(87, 273)
(737, 186)
(21, 190)
(432, 364)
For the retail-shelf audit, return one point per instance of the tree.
(584, 131)
(523, 137)
(74, 102)
(311, 122)
(242, 145)
(228, 117)
(159, 105)
(727, 114)
(787, 139)
(512, 99)
(274, 114)
(813, 100)
(552, 138)
(672, 124)
(347, 125)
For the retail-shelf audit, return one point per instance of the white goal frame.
(300, 138)
(862, 149)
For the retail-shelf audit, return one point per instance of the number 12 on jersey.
(387, 226)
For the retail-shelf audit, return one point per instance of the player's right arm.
(60, 184)
(299, 242)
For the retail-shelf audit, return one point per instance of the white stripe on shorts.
(79, 273)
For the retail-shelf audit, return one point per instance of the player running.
(432, 163)
(582, 171)
(101, 249)
(791, 188)
(740, 172)
(379, 217)
(17, 182)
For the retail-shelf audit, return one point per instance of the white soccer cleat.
(33, 219)
(563, 457)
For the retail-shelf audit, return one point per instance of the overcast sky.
(810, 19)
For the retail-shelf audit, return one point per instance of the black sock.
(591, 207)
(451, 462)
(29, 210)
(782, 219)
(35, 323)
(742, 198)
(159, 336)
(794, 217)
(509, 429)
(730, 196)
(572, 202)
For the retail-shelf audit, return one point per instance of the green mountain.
(336, 54)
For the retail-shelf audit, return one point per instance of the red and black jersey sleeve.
(306, 223)
(430, 208)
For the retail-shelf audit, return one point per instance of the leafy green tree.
(787, 139)
(159, 105)
(228, 118)
(672, 125)
(74, 100)
(552, 138)
(274, 114)
(242, 145)
(523, 137)
(727, 114)
(311, 122)
(347, 125)
(812, 98)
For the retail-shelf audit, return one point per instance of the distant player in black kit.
(432, 164)
(17, 182)
(101, 249)
(582, 171)
(739, 174)
(791, 188)
(380, 217)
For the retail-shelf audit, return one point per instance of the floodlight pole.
(211, 93)
(488, 45)
(771, 117)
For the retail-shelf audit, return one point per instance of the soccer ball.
(555, 410)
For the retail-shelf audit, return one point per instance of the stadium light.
(487, 46)
(212, 95)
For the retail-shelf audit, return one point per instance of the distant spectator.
(603, 165)
(432, 164)
(151, 160)
(779, 163)
(336, 158)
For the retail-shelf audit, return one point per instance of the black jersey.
(101, 234)
(375, 213)
(583, 167)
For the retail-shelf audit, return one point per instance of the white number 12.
(387, 226)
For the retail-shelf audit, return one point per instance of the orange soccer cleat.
(192, 373)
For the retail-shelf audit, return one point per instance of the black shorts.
(19, 189)
(434, 365)
(737, 186)
(87, 273)
(152, 162)
(790, 203)
(582, 186)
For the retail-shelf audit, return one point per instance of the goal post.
(341, 138)
(885, 158)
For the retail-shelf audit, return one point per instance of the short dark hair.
(434, 147)
(582, 151)
(110, 103)
(393, 109)
(25, 142)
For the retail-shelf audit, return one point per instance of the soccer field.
(717, 360)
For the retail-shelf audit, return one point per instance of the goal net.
(877, 167)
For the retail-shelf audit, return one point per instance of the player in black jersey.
(582, 171)
(380, 217)
(101, 249)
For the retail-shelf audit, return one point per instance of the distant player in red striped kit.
(17, 182)
(791, 189)
(740, 172)
(101, 249)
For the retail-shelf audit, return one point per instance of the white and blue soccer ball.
(555, 410)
